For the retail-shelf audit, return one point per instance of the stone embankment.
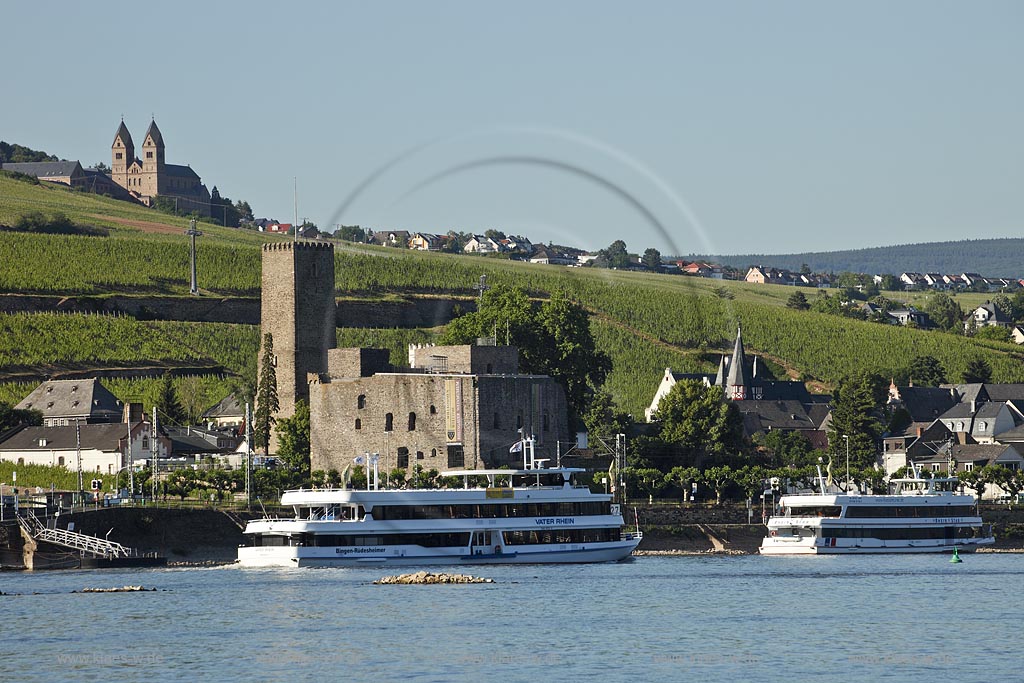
(425, 578)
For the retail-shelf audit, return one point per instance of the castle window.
(389, 422)
(412, 422)
(118, 155)
(456, 456)
(433, 410)
(361, 401)
(419, 455)
(359, 423)
(403, 458)
(149, 155)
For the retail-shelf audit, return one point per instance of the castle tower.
(152, 161)
(298, 309)
(122, 154)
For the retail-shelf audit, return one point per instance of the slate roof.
(74, 398)
(44, 169)
(155, 132)
(179, 171)
(104, 437)
(926, 403)
(988, 410)
(984, 453)
(228, 407)
(189, 440)
(1005, 392)
(126, 137)
(765, 415)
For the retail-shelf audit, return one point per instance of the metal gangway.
(98, 547)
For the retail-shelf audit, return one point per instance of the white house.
(102, 446)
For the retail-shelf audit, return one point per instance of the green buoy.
(956, 556)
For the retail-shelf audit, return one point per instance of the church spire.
(736, 385)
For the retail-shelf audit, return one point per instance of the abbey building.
(149, 176)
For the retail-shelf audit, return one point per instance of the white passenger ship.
(532, 515)
(921, 516)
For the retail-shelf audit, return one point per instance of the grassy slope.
(646, 322)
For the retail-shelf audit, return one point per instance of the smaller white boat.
(921, 515)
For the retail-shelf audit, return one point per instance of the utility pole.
(78, 457)
(193, 233)
(155, 452)
(248, 455)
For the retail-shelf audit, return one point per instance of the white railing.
(98, 547)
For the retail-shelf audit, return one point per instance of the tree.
(167, 402)
(789, 448)
(602, 417)
(943, 311)
(700, 423)
(890, 282)
(993, 333)
(683, 478)
(926, 371)
(718, 479)
(293, 439)
(615, 255)
(798, 301)
(192, 398)
(266, 397)
(856, 406)
(244, 211)
(977, 371)
(12, 417)
(571, 356)
(555, 341)
(652, 259)
(495, 235)
(350, 233)
(647, 480)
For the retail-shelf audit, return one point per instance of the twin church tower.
(151, 176)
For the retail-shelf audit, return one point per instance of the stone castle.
(456, 407)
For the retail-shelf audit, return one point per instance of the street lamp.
(847, 439)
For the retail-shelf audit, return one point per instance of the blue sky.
(733, 127)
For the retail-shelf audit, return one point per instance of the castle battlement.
(290, 246)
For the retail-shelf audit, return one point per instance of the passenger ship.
(532, 515)
(921, 516)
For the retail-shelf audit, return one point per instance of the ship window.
(412, 422)
(389, 422)
(403, 458)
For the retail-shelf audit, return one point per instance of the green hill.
(646, 322)
(1002, 257)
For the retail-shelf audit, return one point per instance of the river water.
(707, 618)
